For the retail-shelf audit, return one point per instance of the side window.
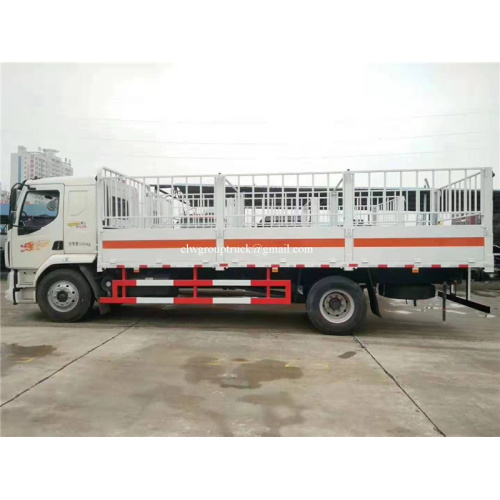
(39, 209)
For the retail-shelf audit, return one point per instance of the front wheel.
(64, 295)
(336, 305)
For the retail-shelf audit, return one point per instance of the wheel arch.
(85, 264)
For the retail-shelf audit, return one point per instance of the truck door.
(39, 231)
(80, 233)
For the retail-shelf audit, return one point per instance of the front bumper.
(20, 292)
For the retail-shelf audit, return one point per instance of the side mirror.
(52, 205)
(12, 218)
(13, 195)
(13, 204)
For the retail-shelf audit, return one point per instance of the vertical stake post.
(195, 278)
(468, 284)
(124, 277)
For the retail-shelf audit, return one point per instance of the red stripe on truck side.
(118, 300)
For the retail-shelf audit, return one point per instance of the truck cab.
(52, 222)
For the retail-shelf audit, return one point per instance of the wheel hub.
(337, 306)
(63, 296)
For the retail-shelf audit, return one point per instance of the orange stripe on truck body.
(229, 243)
(138, 244)
(418, 242)
(295, 243)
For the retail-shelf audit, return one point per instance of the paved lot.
(251, 371)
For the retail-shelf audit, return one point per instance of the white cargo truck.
(322, 239)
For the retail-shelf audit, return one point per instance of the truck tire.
(90, 308)
(64, 295)
(336, 305)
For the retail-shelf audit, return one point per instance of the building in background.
(42, 163)
(4, 194)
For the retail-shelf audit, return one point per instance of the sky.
(164, 119)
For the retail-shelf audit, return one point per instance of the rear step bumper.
(465, 302)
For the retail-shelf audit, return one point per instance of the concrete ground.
(251, 371)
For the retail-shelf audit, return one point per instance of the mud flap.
(89, 276)
(103, 308)
(372, 296)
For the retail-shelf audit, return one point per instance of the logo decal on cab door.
(33, 246)
(78, 225)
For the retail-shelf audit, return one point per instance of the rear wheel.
(336, 305)
(64, 295)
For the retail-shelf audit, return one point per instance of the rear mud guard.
(372, 296)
